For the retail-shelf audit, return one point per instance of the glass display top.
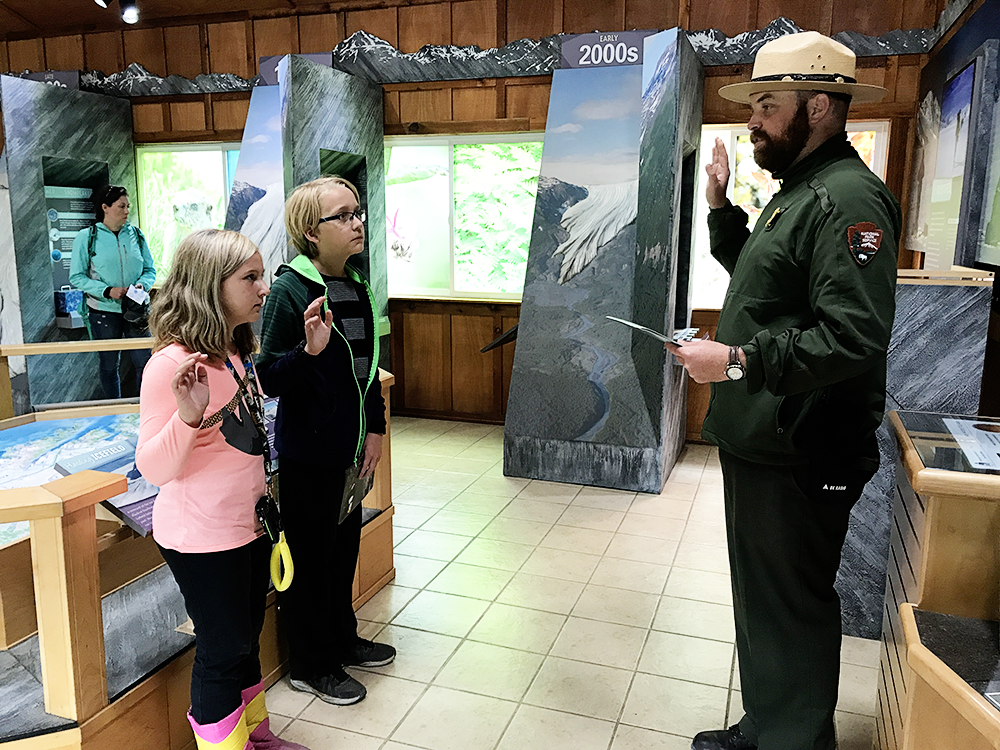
(954, 442)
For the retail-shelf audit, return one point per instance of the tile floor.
(555, 616)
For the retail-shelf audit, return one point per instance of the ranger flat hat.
(807, 61)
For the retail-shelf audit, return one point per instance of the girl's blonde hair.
(302, 211)
(188, 308)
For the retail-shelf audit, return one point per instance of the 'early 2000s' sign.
(602, 50)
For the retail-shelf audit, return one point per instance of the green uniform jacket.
(811, 301)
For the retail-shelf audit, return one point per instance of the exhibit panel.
(592, 401)
(944, 559)
(935, 363)
(58, 145)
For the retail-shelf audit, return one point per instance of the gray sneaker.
(367, 653)
(339, 688)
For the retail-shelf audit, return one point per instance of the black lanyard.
(255, 405)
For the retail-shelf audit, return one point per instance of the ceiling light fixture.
(130, 13)
(101, 3)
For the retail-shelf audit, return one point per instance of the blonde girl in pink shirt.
(200, 441)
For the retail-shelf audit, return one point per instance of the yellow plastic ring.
(281, 557)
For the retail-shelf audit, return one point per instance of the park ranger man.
(798, 381)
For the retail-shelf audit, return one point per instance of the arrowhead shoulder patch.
(863, 240)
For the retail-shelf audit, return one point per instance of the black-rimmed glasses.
(345, 217)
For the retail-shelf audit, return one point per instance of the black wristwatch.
(734, 368)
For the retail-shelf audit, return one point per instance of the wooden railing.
(63, 532)
(55, 347)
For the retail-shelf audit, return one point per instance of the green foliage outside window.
(180, 191)
(494, 189)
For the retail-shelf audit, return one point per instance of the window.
(459, 213)
(751, 188)
(182, 188)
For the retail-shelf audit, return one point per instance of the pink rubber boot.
(229, 734)
(259, 723)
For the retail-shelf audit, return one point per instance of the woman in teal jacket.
(108, 258)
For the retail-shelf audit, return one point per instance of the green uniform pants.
(785, 532)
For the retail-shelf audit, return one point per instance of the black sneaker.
(339, 689)
(367, 653)
(722, 739)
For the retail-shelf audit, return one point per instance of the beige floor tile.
(712, 476)
(700, 585)
(471, 580)
(696, 532)
(860, 651)
(498, 486)
(493, 553)
(471, 502)
(616, 605)
(606, 499)
(596, 519)
(509, 529)
(560, 563)
(662, 506)
(483, 453)
(496, 470)
(602, 643)
(442, 447)
(279, 723)
(410, 516)
(407, 477)
(388, 700)
(541, 592)
(710, 558)
(369, 630)
(387, 603)
(399, 535)
(464, 465)
(429, 497)
(419, 654)
(686, 658)
(446, 719)
(710, 493)
(642, 548)
(490, 670)
(572, 539)
(446, 482)
(441, 613)
(533, 510)
(700, 619)
(734, 713)
(283, 700)
(686, 474)
(854, 732)
(655, 526)
(415, 572)
(518, 627)
(630, 574)
(457, 522)
(551, 492)
(637, 738)
(708, 511)
(858, 687)
(680, 707)
(413, 460)
(555, 730)
(433, 545)
(679, 490)
(316, 735)
(580, 688)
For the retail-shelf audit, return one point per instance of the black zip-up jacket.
(322, 418)
(811, 301)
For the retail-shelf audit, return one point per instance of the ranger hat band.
(807, 61)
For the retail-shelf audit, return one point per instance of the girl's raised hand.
(318, 326)
(190, 387)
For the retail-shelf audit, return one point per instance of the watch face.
(734, 372)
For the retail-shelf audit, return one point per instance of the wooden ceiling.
(25, 19)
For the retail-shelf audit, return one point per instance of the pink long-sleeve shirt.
(208, 484)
